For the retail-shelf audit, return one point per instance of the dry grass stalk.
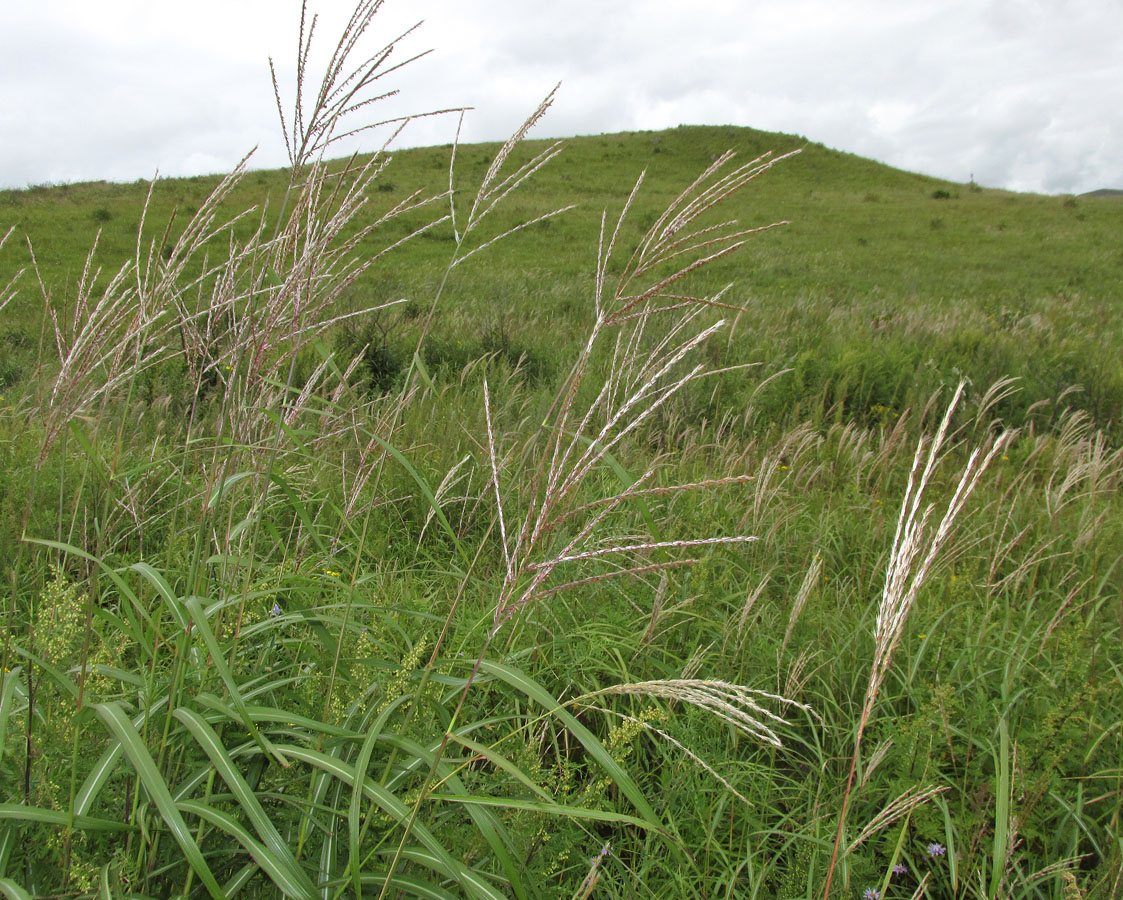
(8, 291)
(798, 674)
(690, 754)
(751, 598)
(916, 545)
(1062, 611)
(810, 581)
(344, 89)
(903, 805)
(875, 760)
(107, 341)
(585, 889)
(733, 704)
(1062, 868)
(656, 612)
(632, 572)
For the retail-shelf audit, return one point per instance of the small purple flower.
(275, 611)
(937, 850)
(871, 894)
(900, 869)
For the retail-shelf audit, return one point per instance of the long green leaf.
(390, 804)
(122, 675)
(489, 825)
(552, 809)
(241, 878)
(123, 586)
(361, 766)
(7, 842)
(1002, 794)
(427, 493)
(12, 890)
(298, 506)
(224, 765)
(60, 678)
(7, 692)
(106, 763)
(202, 625)
(276, 869)
(21, 813)
(115, 719)
(174, 603)
(227, 483)
(259, 714)
(103, 891)
(408, 885)
(501, 762)
(593, 747)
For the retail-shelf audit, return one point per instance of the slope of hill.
(920, 278)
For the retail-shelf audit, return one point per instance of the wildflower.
(275, 611)
(935, 850)
(900, 869)
(871, 894)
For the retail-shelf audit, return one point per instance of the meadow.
(492, 521)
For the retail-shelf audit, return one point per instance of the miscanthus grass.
(274, 629)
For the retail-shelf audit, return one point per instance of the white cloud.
(1026, 94)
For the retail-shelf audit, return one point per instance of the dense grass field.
(640, 554)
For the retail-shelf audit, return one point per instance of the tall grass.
(272, 632)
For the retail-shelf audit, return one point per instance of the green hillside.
(783, 564)
(919, 272)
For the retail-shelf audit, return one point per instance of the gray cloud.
(1025, 94)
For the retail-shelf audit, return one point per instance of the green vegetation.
(547, 572)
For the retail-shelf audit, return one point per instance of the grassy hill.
(923, 273)
(562, 577)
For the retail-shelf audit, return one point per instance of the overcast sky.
(1022, 94)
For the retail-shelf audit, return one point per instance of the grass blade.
(300, 888)
(224, 765)
(589, 741)
(141, 760)
(20, 813)
(442, 860)
(199, 617)
(12, 890)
